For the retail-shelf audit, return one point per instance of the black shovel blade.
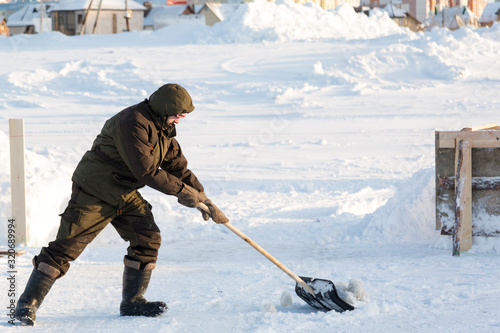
(326, 299)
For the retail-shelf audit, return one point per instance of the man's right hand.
(189, 197)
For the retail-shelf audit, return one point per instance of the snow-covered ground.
(313, 131)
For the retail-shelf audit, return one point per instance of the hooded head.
(171, 99)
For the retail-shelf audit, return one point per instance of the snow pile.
(48, 180)
(383, 68)
(353, 292)
(409, 216)
(493, 32)
(286, 299)
(78, 78)
(286, 20)
(48, 187)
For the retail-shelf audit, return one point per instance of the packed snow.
(314, 133)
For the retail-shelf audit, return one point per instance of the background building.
(103, 17)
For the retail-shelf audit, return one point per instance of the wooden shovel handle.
(275, 261)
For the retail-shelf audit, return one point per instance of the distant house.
(4, 29)
(99, 16)
(452, 18)
(27, 20)
(491, 14)
(417, 9)
(476, 7)
(216, 12)
(403, 18)
(157, 17)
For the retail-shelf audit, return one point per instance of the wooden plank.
(437, 165)
(17, 177)
(478, 183)
(477, 139)
(478, 233)
(491, 126)
(482, 127)
(459, 189)
(466, 241)
(462, 232)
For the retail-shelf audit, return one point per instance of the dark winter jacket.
(136, 147)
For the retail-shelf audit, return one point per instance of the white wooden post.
(17, 177)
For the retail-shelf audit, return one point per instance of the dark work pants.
(86, 216)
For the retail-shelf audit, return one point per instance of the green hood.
(169, 100)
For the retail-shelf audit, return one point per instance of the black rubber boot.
(37, 288)
(135, 283)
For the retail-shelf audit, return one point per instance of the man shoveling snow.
(136, 148)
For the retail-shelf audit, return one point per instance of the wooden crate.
(468, 184)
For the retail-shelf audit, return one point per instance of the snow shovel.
(318, 293)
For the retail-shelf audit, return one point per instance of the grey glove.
(216, 214)
(189, 197)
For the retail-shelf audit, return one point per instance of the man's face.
(175, 119)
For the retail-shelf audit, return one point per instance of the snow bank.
(288, 21)
(48, 187)
(48, 180)
(409, 216)
(79, 78)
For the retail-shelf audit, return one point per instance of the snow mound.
(382, 69)
(409, 215)
(88, 79)
(270, 307)
(286, 299)
(263, 21)
(353, 292)
(48, 187)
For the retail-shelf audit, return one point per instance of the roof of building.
(28, 15)
(490, 12)
(12, 7)
(167, 10)
(394, 12)
(72, 5)
(221, 10)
